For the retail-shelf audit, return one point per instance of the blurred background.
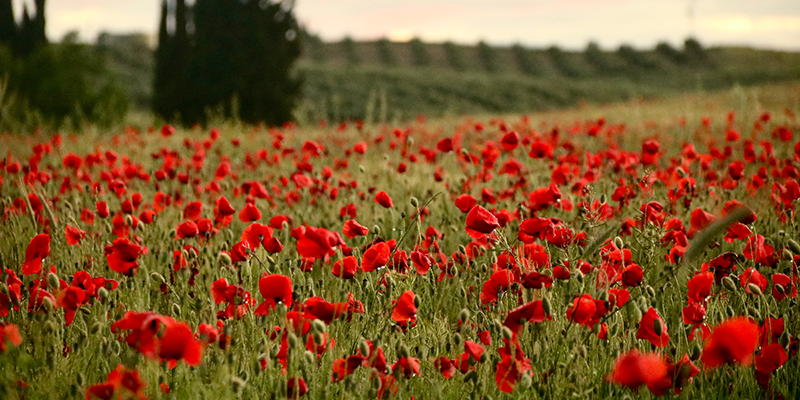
(68, 63)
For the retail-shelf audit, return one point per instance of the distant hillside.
(383, 80)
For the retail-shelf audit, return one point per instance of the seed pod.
(507, 333)
(546, 305)
(318, 326)
(464, 315)
(754, 289)
(457, 339)
(658, 327)
(794, 246)
(52, 280)
(727, 282)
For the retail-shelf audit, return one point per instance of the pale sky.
(537, 23)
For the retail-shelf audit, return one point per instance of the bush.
(487, 56)
(454, 56)
(61, 85)
(635, 58)
(385, 52)
(671, 53)
(419, 52)
(350, 51)
(595, 56)
(525, 60)
(561, 62)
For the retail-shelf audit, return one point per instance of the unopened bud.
(727, 282)
(507, 333)
(225, 258)
(794, 246)
(754, 289)
(618, 242)
(414, 202)
(158, 278)
(546, 305)
(658, 327)
(318, 326)
(52, 281)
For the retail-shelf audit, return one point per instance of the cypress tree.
(8, 26)
(39, 37)
(180, 62)
(161, 76)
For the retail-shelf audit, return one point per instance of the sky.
(570, 24)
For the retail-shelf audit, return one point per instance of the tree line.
(226, 58)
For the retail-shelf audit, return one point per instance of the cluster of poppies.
(536, 233)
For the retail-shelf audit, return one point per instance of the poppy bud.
(102, 293)
(376, 229)
(462, 249)
(695, 352)
(650, 291)
(292, 340)
(364, 348)
(4, 289)
(727, 282)
(658, 327)
(794, 246)
(176, 309)
(237, 384)
(48, 304)
(115, 348)
(780, 288)
(603, 296)
(636, 314)
(361, 168)
(52, 280)
(729, 311)
(318, 326)
(457, 339)
(618, 242)
(49, 327)
(414, 202)
(507, 333)
(157, 278)
(754, 289)
(464, 315)
(546, 305)
(754, 313)
(785, 339)
(403, 350)
(787, 255)
(225, 259)
(318, 338)
(309, 356)
(471, 375)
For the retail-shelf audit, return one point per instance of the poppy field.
(593, 256)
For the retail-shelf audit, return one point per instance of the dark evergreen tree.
(8, 26)
(163, 68)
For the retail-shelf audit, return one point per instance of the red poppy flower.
(530, 312)
(353, 229)
(700, 287)
(255, 234)
(122, 256)
(535, 280)
(583, 309)
(731, 342)
(499, 281)
(275, 289)
(187, 229)
(346, 267)
(121, 382)
(465, 202)
(249, 213)
(445, 367)
(37, 250)
(9, 334)
(481, 222)
(74, 235)
(751, 275)
(179, 343)
(375, 257)
(784, 282)
(632, 275)
(315, 242)
(511, 366)
(758, 251)
(405, 310)
(296, 388)
(70, 299)
(102, 209)
(383, 199)
(193, 211)
(633, 370)
(648, 331)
